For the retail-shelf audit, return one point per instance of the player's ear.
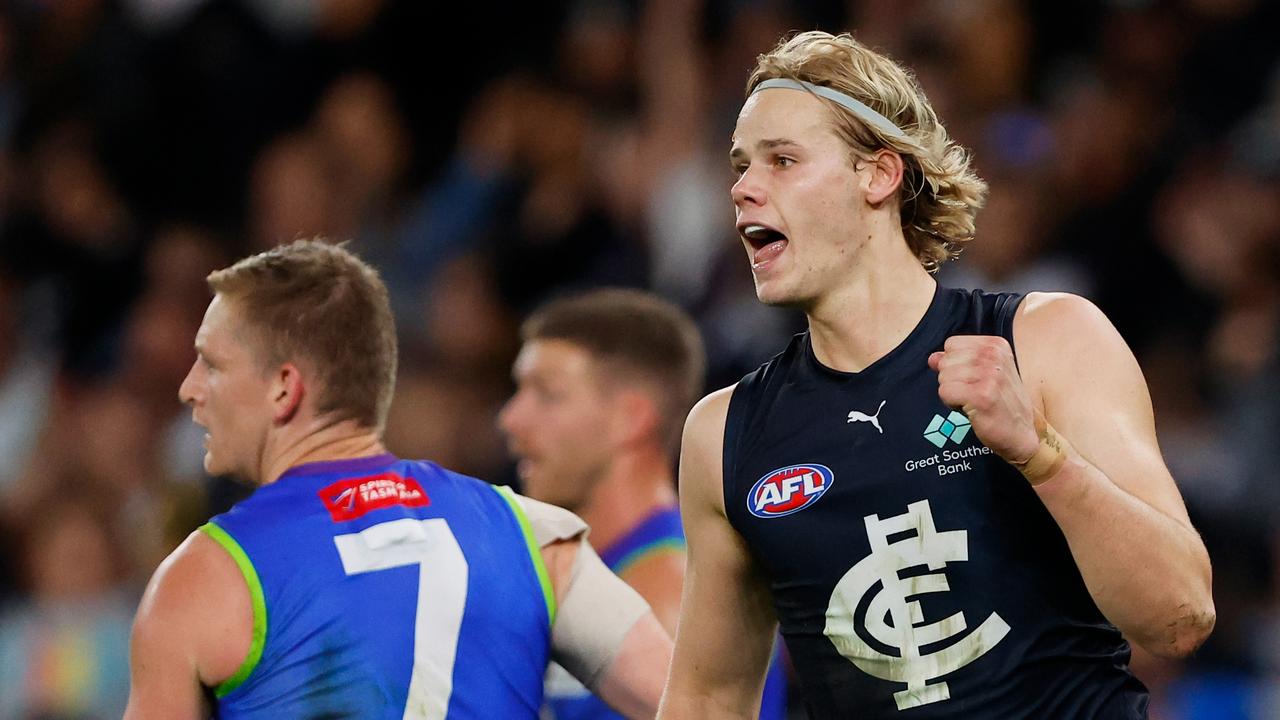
(286, 392)
(884, 175)
(635, 415)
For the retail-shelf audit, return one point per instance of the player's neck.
(867, 317)
(636, 485)
(324, 440)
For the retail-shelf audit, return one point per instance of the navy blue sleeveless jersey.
(914, 573)
(661, 531)
(385, 588)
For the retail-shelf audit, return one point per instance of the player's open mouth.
(766, 243)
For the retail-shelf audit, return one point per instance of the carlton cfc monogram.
(908, 632)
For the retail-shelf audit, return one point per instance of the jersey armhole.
(535, 551)
(237, 553)
(1006, 312)
(734, 424)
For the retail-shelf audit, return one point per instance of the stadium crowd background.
(488, 155)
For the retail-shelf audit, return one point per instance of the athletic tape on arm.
(596, 609)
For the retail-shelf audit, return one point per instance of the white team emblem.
(896, 622)
(855, 416)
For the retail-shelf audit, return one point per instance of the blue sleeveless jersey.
(385, 588)
(567, 699)
(915, 574)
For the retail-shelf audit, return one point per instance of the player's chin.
(772, 292)
(530, 479)
(212, 466)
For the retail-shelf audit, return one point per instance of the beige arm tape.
(550, 523)
(595, 610)
(1049, 457)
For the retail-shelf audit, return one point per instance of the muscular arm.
(193, 629)
(726, 621)
(1097, 467)
(1114, 498)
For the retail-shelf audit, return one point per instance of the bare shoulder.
(710, 413)
(1052, 323)
(1064, 339)
(1043, 315)
(198, 566)
(704, 428)
(198, 606)
(701, 450)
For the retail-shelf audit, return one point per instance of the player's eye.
(548, 395)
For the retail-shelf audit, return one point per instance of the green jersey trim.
(535, 550)
(237, 553)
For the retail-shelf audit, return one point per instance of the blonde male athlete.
(991, 543)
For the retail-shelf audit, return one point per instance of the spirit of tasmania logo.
(351, 498)
(788, 490)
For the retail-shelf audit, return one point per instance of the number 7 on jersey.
(442, 597)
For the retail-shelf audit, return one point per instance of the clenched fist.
(977, 376)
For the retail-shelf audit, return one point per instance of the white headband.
(864, 113)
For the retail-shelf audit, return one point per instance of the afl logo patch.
(788, 490)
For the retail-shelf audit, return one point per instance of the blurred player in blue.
(604, 380)
(353, 584)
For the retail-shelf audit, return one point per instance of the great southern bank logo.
(788, 490)
(953, 427)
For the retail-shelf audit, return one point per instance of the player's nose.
(749, 189)
(511, 416)
(190, 389)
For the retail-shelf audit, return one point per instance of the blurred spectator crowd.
(488, 155)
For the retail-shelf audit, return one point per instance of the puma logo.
(855, 416)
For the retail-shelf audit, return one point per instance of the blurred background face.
(558, 422)
(228, 394)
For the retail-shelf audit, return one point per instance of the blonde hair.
(315, 300)
(940, 194)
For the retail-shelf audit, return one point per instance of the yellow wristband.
(1049, 457)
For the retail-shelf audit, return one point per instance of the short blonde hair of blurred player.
(314, 300)
(940, 194)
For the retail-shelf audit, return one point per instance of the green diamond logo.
(953, 427)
